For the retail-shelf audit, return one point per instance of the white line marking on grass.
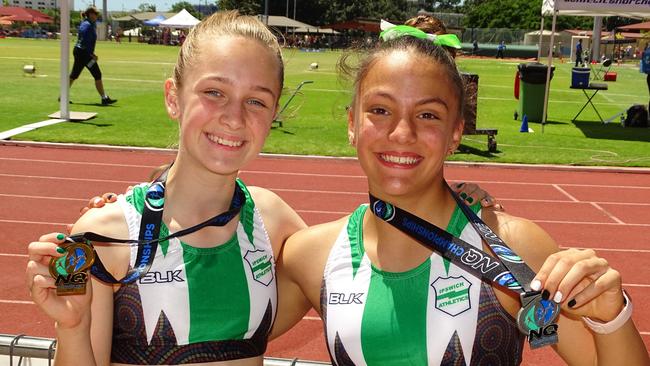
(565, 193)
(103, 60)
(607, 213)
(26, 128)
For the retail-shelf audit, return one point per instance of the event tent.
(280, 21)
(593, 8)
(181, 20)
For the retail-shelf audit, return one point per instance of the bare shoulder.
(314, 243)
(279, 218)
(108, 221)
(526, 238)
(305, 254)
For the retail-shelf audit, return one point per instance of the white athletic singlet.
(433, 314)
(197, 304)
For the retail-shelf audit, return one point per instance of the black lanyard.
(536, 318)
(150, 230)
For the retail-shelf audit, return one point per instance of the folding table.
(596, 87)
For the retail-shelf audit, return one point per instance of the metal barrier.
(25, 347)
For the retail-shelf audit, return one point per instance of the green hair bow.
(397, 31)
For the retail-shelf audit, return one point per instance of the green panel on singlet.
(402, 337)
(405, 323)
(221, 302)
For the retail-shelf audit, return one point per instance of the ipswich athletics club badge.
(261, 266)
(69, 271)
(452, 294)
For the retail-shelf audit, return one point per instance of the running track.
(42, 187)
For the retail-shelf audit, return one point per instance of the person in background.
(579, 53)
(645, 64)
(84, 53)
(501, 49)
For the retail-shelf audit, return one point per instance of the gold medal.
(69, 271)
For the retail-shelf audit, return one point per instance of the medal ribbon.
(149, 231)
(537, 317)
(507, 270)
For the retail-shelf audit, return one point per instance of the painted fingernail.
(109, 197)
(546, 294)
(536, 285)
(463, 195)
(470, 200)
(572, 303)
(60, 236)
(60, 250)
(97, 201)
(558, 297)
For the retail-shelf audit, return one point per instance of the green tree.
(187, 6)
(515, 14)
(248, 7)
(145, 7)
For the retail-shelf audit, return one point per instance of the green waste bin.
(532, 77)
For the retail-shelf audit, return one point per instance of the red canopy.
(17, 14)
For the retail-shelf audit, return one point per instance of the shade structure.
(315, 30)
(181, 20)
(280, 21)
(630, 9)
(637, 26)
(24, 15)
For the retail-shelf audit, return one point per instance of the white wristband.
(612, 326)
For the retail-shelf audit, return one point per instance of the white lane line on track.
(67, 178)
(287, 190)
(565, 193)
(32, 222)
(608, 249)
(43, 197)
(587, 222)
(597, 206)
(78, 162)
(16, 302)
(316, 174)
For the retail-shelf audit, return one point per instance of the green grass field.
(315, 121)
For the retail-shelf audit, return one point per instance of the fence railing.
(27, 350)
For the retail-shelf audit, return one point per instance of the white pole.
(595, 41)
(541, 33)
(548, 70)
(105, 20)
(65, 58)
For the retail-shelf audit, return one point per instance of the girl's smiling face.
(226, 103)
(408, 119)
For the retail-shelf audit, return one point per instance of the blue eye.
(256, 102)
(213, 93)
